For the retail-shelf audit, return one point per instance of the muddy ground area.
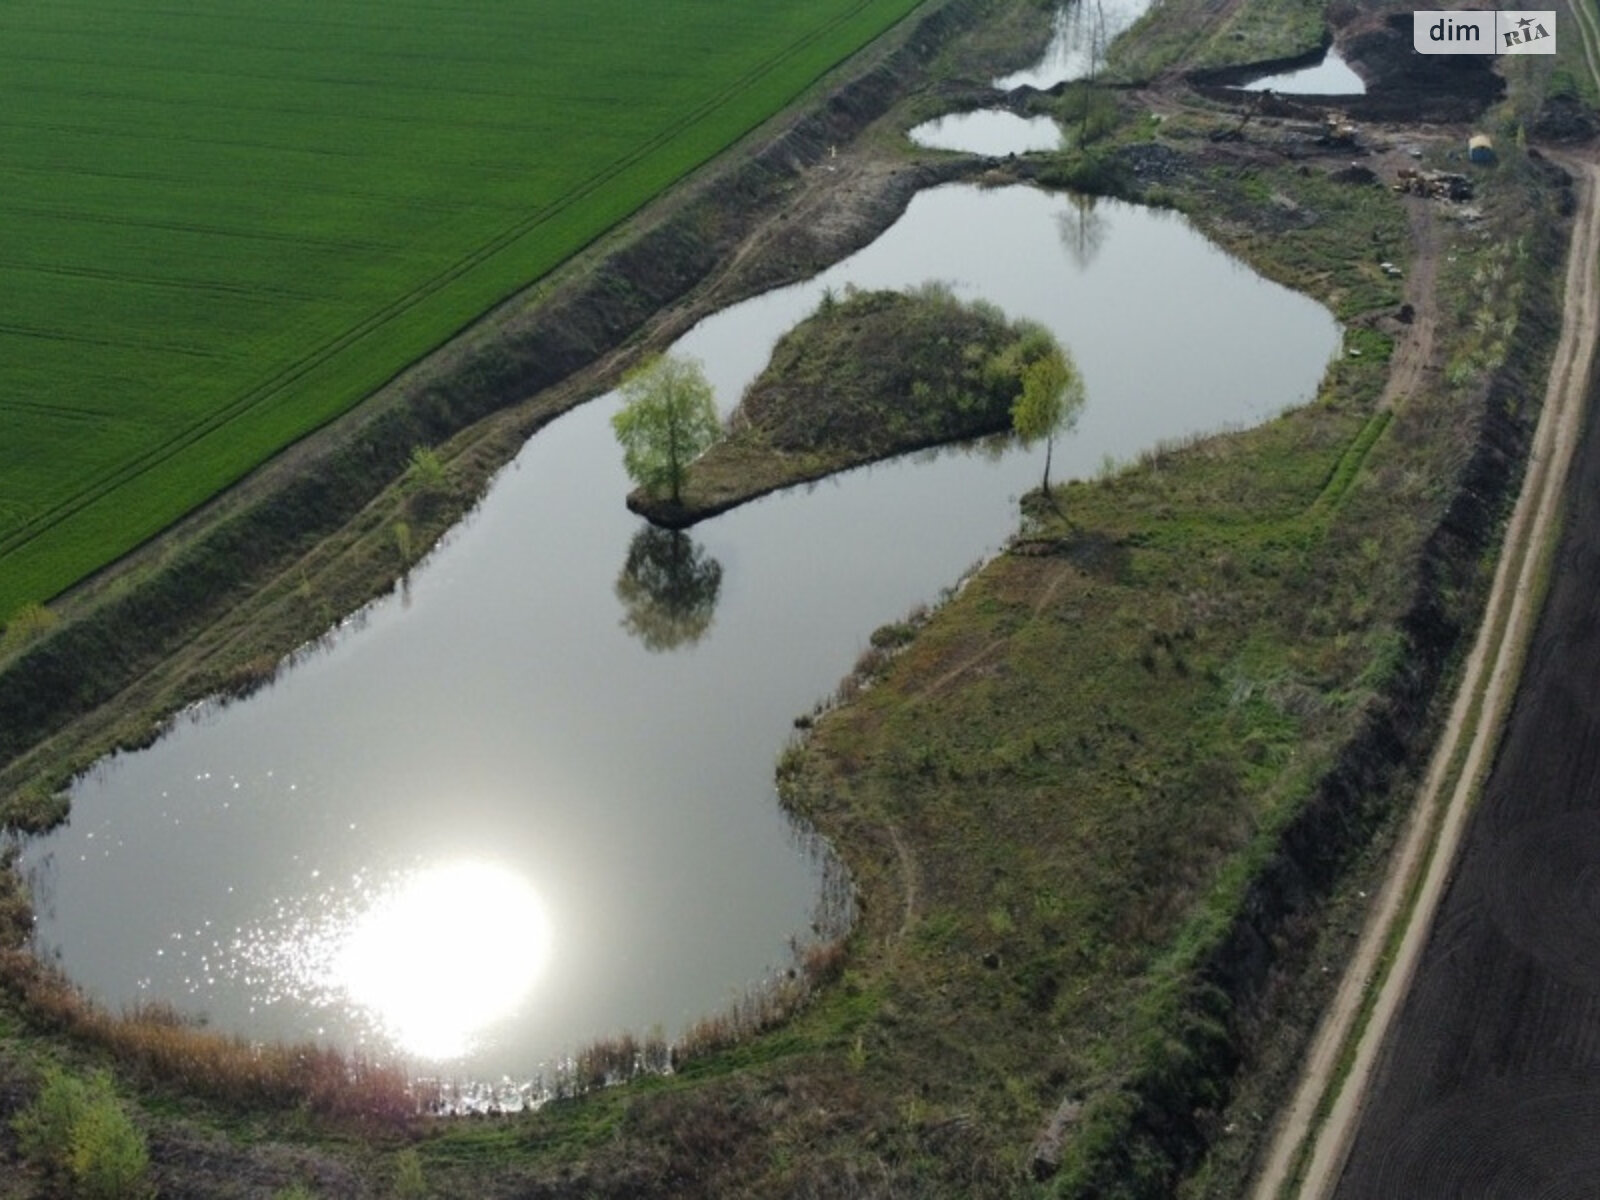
(1490, 1085)
(1401, 84)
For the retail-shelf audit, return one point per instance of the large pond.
(528, 801)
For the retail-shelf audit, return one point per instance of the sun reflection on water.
(428, 960)
(443, 954)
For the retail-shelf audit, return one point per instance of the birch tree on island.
(669, 419)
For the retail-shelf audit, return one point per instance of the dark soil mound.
(1405, 85)
(1402, 85)
(1565, 119)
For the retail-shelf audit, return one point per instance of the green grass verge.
(227, 229)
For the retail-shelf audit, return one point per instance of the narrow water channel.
(1080, 32)
(529, 801)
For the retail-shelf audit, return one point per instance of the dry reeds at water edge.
(763, 1007)
(156, 1040)
(815, 964)
(607, 1062)
(161, 1044)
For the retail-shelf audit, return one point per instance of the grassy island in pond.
(864, 378)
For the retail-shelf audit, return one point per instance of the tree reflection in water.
(668, 588)
(1083, 231)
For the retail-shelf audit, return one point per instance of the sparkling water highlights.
(443, 955)
(429, 961)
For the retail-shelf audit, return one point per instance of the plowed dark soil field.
(1490, 1084)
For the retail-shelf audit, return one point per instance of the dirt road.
(1395, 1153)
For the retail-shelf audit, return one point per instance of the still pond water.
(1080, 33)
(1331, 76)
(529, 802)
(987, 131)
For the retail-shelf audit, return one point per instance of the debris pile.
(1434, 185)
(1338, 131)
(1151, 162)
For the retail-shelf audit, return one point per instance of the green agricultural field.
(222, 224)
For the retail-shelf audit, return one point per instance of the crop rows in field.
(222, 225)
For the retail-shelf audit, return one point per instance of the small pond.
(528, 801)
(1330, 77)
(1081, 29)
(988, 131)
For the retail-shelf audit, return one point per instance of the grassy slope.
(226, 225)
(1189, 34)
(1087, 755)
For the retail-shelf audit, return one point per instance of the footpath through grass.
(227, 224)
